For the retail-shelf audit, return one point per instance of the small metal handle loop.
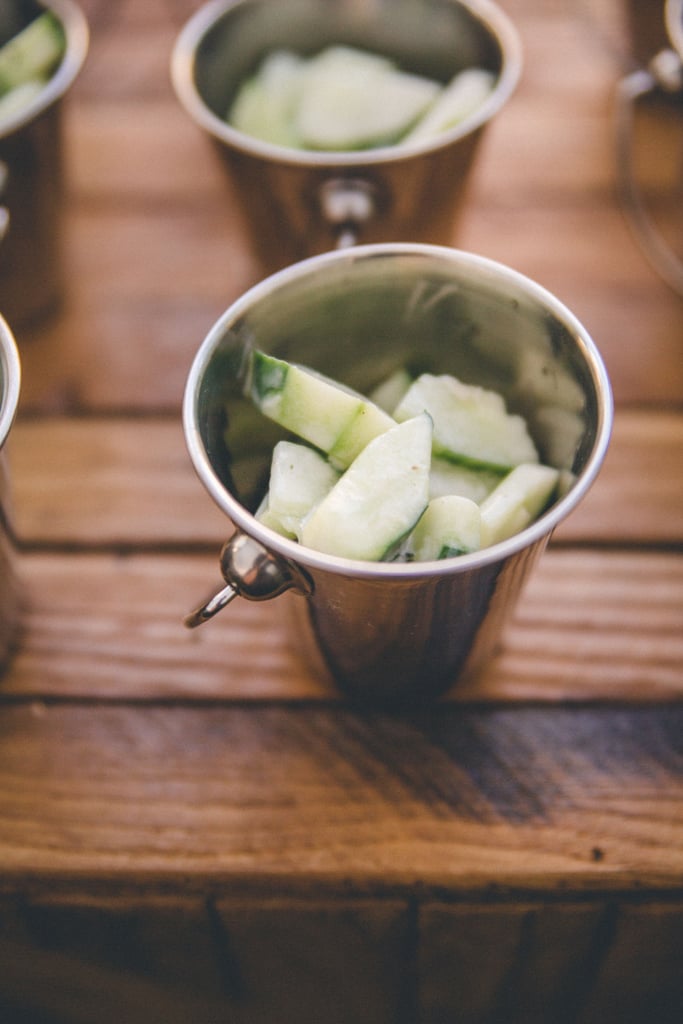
(347, 204)
(252, 572)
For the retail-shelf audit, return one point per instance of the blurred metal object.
(10, 592)
(664, 74)
(387, 631)
(291, 198)
(31, 151)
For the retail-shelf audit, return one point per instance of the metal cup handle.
(347, 205)
(665, 73)
(252, 572)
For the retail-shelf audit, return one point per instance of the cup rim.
(297, 553)
(182, 78)
(673, 13)
(10, 382)
(77, 42)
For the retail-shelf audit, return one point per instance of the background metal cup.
(31, 156)
(297, 204)
(389, 631)
(10, 374)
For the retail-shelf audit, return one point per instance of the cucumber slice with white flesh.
(450, 478)
(517, 501)
(32, 53)
(335, 419)
(389, 392)
(17, 99)
(300, 477)
(464, 94)
(355, 100)
(379, 498)
(450, 526)
(265, 104)
(471, 424)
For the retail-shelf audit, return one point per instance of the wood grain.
(105, 482)
(192, 826)
(528, 800)
(110, 627)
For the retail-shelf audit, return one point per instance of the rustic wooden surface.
(192, 828)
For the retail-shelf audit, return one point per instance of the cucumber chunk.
(265, 104)
(32, 53)
(517, 501)
(335, 419)
(17, 99)
(471, 424)
(450, 526)
(467, 91)
(354, 100)
(379, 499)
(389, 392)
(450, 478)
(300, 477)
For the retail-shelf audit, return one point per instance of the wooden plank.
(303, 801)
(160, 961)
(110, 627)
(592, 963)
(103, 482)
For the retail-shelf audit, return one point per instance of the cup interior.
(15, 15)
(357, 316)
(227, 40)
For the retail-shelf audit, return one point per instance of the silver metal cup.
(297, 204)
(10, 376)
(661, 75)
(31, 175)
(388, 631)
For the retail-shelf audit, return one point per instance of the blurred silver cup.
(388, 631)
(297, 204)
(31, 173)
(661, 77)
(10, 375)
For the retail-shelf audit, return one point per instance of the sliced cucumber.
(355, 100)
(379, 498)
(17, 99)
(450, 478)
(517, 501)
(389, 392)
(264, 516)
(265, 104)
(32, 53)
(464, 94)
(335, 419)
(450, 526)
(300, 477)
(471, 424)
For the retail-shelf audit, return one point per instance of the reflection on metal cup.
(10, 374)
(393, 631)
(291, 198)
(31, 155)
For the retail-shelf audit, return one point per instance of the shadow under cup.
(298, 203)
(395, 632)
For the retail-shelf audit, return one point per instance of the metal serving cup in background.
(300, 203)
(10, 375)
(663, 75)
(31, 175)
(388, 631)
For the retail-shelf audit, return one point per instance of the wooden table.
(192, 829)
